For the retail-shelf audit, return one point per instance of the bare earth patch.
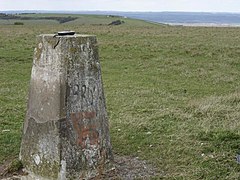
(126, 167)
(7, 171)
(130, 168)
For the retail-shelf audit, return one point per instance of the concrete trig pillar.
(66, 133)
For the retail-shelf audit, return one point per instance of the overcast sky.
(123, 5)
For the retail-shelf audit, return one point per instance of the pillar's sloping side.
(66, 133)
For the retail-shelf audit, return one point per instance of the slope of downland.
(172, 93)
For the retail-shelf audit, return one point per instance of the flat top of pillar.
(67, 36)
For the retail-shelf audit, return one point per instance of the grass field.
(173, 93)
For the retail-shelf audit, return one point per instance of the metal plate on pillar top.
(64, 33)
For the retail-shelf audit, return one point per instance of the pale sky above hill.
(123, 5)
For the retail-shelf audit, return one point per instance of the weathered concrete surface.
(66, 133)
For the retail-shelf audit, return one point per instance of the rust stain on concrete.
(87, 134)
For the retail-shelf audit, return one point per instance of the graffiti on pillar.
(84, 94)
(87, 93)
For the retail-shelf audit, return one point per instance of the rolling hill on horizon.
(161, 17)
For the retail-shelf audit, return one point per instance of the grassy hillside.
(173, 93)
(70, 19)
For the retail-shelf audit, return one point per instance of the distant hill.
(161, 17)
(61, 20)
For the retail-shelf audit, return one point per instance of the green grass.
(173, 93)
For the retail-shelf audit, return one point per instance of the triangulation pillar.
(66, 133)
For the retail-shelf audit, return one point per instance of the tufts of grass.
(218, 112)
